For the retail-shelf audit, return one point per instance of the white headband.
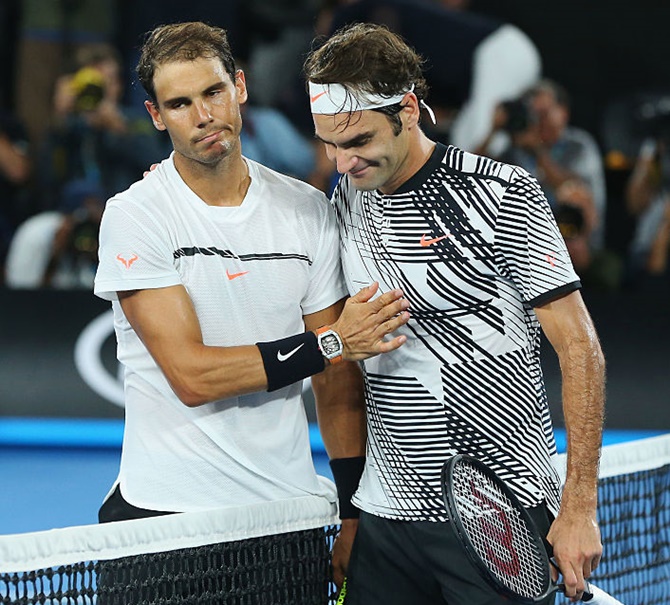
(335, 98)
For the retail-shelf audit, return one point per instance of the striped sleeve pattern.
(530, 242)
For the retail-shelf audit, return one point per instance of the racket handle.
(342, 596)
(600, 597)
(587, 595)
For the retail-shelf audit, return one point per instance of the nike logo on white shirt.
(282, 357)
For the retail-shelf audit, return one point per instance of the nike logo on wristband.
(284, 357)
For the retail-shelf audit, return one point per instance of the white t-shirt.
(253, 272)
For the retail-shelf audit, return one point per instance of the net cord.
(45, 549)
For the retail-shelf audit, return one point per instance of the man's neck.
(419, 153)
(222, 184)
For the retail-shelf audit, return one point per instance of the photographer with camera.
(576, 217)
(58, 248)
(534, 132)
(95, 136)
(542, 141)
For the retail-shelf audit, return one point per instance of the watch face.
(330, 345)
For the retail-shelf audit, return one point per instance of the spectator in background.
(15, 170)
(50, 32)
(96, 138)
(576, 217)
(543, 142)
(58, 248)
(648, 199)
(473, 62)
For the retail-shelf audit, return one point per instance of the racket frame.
(464, 538)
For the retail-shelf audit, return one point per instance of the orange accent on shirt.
(429, 242)
(235, 275)
(127, 261)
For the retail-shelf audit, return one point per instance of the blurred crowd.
(74, 131)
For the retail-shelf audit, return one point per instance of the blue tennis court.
(56, 472)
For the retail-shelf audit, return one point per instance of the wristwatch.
(330, 344)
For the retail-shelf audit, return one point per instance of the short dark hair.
(94, 54)
(560, 93)
(182, 42)
(368, 58)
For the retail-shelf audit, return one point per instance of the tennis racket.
(499, 536)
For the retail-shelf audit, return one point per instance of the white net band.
(54, 547)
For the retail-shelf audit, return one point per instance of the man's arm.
(575, 535)
(166, 322)
(338, 392)
(644, 182)
(340, 410)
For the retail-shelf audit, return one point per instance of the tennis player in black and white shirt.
(474, 246)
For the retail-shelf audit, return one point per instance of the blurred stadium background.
(60, 424)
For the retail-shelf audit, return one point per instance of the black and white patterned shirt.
(474, 246)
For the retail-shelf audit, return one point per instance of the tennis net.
(634, 519)
(278, 553)
(274, 553)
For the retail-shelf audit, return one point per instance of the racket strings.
(499, 533)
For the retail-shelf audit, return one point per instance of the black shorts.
(117, 508)
(402, 562)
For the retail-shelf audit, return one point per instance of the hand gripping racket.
(499, 536)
